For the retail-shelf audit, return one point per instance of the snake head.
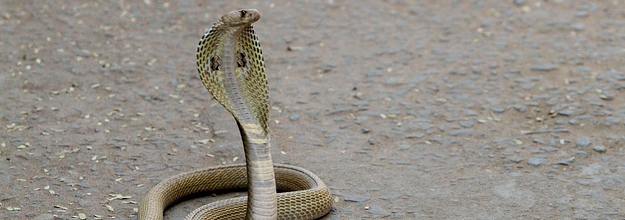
(240, 17)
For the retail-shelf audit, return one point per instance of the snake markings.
(215, 63)
(231, 67)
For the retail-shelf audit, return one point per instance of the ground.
(429, 110)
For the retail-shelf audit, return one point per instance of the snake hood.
(231, 66)
(240, 17)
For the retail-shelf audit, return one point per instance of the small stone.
(520, 108)
(294, 117)
(327, 68)
(15, 209)
(581, 154)
(616, 75)
(205, 141)
(365, 131)
(467, 123)
(606, 96)
(519, 2)
(461, 133)
(352, 197)
(371, 141)
(514, 159)
(566, 112)
(583, 142)
(547, 67)
(600, 149)
(109, 207)
(378, 211)
(567, 161)
(498, 110)
(82, 216)
(536, 161)
(469, 112)
(548, 149)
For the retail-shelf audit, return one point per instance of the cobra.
(231, 67)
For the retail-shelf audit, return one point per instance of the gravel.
(536, 161)
(353, 197)
(378, 211)
(407, 105)
(294, 117)
(547, 67)
(599, 149)
(583, 142)
(519, 2)
(567, 161)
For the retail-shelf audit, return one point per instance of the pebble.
(461, 132)
(536, 161)
(615, 75)
(294, 117)
(547, 67)
(371, 141)
(519, 2)
(549, 149)
(567, 161)
(566, 112)
(353, 197)
(327, 68)
(583, 142)
(469, 112)
(581, 154)
(378, 211)
(498, 110)
(514, 159)
(599, 149)
(606, 96)
(520, 108)
(467, 123)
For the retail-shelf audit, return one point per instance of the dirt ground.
(429, 110)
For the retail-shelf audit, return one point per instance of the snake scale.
(231, 67)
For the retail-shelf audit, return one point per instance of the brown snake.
(231, 66)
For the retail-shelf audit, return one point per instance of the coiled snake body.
(231, 66)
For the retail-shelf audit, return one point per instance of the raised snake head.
(240, 17)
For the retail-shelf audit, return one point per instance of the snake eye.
(243, 13)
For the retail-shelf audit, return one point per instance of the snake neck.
(262, 203)
(261, 200)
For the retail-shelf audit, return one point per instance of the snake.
(231, 66)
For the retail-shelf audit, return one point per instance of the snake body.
(231, 67)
